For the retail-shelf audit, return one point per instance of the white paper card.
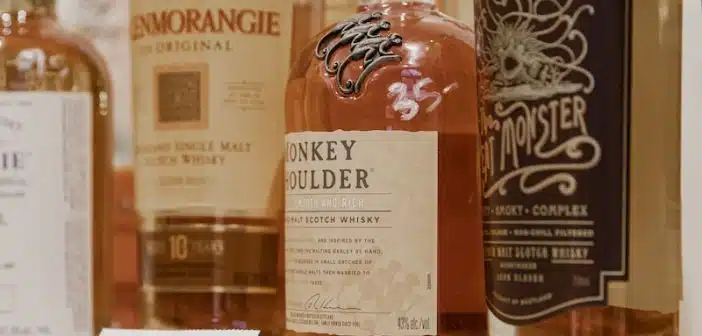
(198, 332)
(691, 307)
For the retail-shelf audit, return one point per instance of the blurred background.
(106, 22)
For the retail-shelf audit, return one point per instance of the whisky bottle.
(55, 177)
(580, 164)
(382, 222)
(209, 80)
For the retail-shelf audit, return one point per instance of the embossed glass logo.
(363, 34)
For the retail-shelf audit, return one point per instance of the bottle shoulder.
(399, 70)
(81, 45)
(421, 39)
(50, 47)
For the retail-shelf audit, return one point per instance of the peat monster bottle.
(382, 229)
(209, 80)
(579, 112)
(55, 177)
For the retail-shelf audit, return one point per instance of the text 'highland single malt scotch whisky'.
(579, 132)
(382, 222)
(55, 177)
(209, 80)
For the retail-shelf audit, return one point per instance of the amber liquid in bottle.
(31, 35)
(438, 57)
(196, 308)
(125, 250)
(653, 31)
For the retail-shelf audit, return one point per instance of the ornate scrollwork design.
(363, 33)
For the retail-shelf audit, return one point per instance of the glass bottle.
(208, 99)
(56, 145)
(580, 139)
(382, 209)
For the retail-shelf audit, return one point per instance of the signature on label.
(319, 302)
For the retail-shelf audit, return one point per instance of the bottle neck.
(389, 5)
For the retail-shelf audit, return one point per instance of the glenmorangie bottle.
(209, 79)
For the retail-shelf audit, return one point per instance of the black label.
(554, 109)
(186, 258)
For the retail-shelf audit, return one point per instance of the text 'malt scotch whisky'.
(209, 80)
(579, 110)
(55, 177)
(382, 221)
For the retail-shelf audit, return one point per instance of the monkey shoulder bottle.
(382, 231)
(55, 177)
(579, 132)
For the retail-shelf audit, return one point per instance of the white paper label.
(361, 232)
(135, 332)
(208, 96)
(46, 214)
(691, 310)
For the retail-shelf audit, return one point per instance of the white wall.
(465, 11)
